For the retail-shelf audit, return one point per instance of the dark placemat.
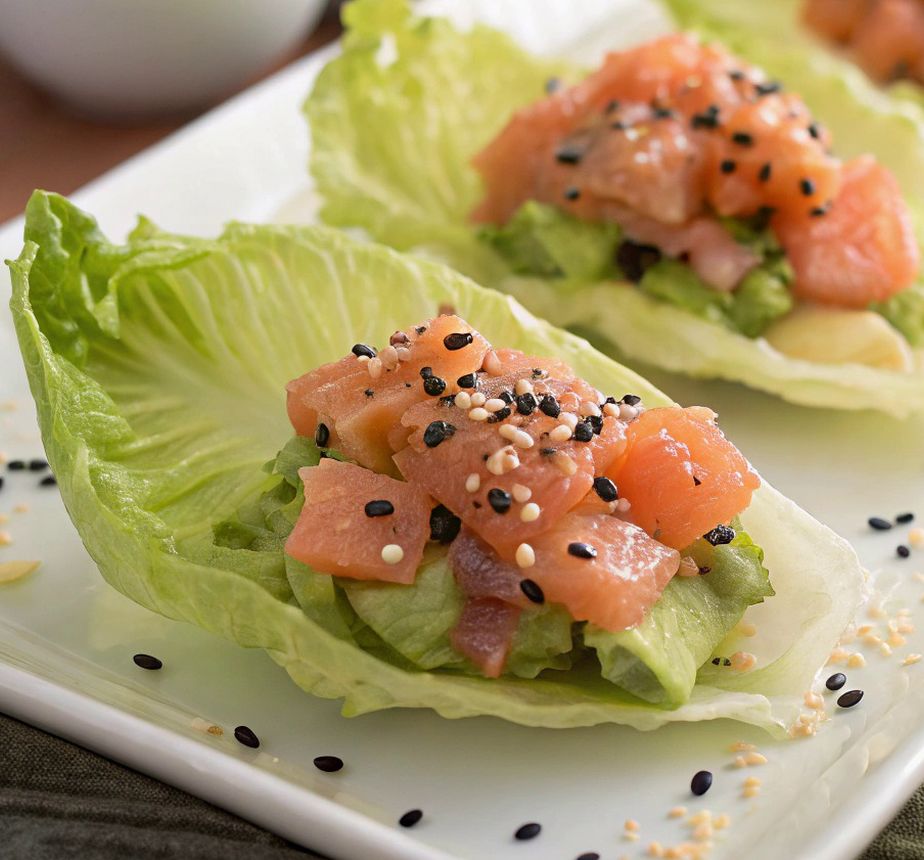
(60, 801)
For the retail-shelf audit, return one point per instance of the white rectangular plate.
(66, 638)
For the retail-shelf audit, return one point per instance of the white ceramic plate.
(66, 638)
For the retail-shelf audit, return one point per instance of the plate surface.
(66, 638)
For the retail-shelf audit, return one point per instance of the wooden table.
(43, 145)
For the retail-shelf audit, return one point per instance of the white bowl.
(131, 58)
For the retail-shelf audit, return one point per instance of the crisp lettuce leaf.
(396, 118)
(658, 660)
(160, 396)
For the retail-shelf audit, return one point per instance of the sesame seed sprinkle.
(362, 350)
(530, 512)
(410, 818)
(528, 831)
(379, 508)
(492, 364)
(246, 737)
(525, 556)
(479, 414)
(742, 138)
(473, 482)
(499, 500)
(579, 549)
(463, 400)
(728, 165)
(322, 435)
(495, 404)
(532, 590)
(146, 661)
(520, 493)
(328, 763)
(392, 553)
(561, 433)
(764, 173)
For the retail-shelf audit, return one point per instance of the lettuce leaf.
(397, 117)
(158, 370)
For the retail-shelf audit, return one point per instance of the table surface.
(117, 812)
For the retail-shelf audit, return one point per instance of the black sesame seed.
(583, 432)
(569, 154)
(879, 524)
(410, 818)
(1, 482)
(606, 489)
(766, 88)
(322, 435)
(434, 386)
(764, 173)
(328, 763)
(499, 416)
(619, 125)
(552, 85)
(904, 519)
(836, 681)
(363, 349)
(572, 193)
(420, 329)
(728, 166)
(38, 465)
(146, 661)
(48, 481)
(726, 662)
(662, 113)
(611, 106)
(379, 508)
(696, 481)
(538, 373)
(807, 187)
(548, 405)
(814, 130)
(581, 550)
(736, 75)
(426, 372)
(245, 736)
(720, 535)
(547, 452)
(742, 138)
(457, 340)
(631, 400)
(704, 570)
(437, 432)
(16, 465)
(589, 855)
(701, 782)
(532, 590)
(467, 381)
(902, 551)
(507, 397)
(526, 403)
(849, 699)
(369, 392)
(444, 525)
(634, 259)
(818, 211)
(708, 119)
(499, 500)
(596, 423)
(528, 831)
(716, 661)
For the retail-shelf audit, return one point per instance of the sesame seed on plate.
(410, 818)
(701, 782)
(850, 698)
(525, 555)
(392, 553)
(879, 524)
(11, 571)
(911, 659)
(38, 465)
(48, 481)
(527, 831)
(904, 519)
(245, 736)
(16, 465)
(146, 661)
(902, 551)
(328, 763)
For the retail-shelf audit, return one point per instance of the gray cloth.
(59, 801)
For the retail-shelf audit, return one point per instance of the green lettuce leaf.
(906, 312)
(659, 659)
(158, 370)
(397, 117)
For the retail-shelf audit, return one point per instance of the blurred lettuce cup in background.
(142, 58)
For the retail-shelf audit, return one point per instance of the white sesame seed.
(702, 831)
(589, 408)
(478, 399)
(688, 567)
(404, 354)
(495, 404)
(655, 849)
(520, 493)
(522, 439)
(916, 537)
(720, 822)
(677, 812)
(629, 836)
(389, 357)
(626, 412)
(566, 465)
(569, 419)
(813, 700)
(492, 364)
(374, 366)
(752, 782)
(5, 538)
(523, 386)
(508, 431)
(525, 555)
(911, 659)
(742, 746)
(740, 761)
(745, 628)
(560, 434)
(631, 825)
(896, 640)
(885, 649)
(623, 505)
(473, 482)
(755, 758)
(10, 571)
(392, 553)
(207, 727)
(510, 462)
(479, 414)
(362, 359)
(502, 461)
(463, 400)
(611, 410)
(530, 512)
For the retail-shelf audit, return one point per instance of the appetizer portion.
(884, 37)
(516, 465)
(678, 194)
(478, 513)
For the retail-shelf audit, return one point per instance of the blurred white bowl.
(131, 58)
